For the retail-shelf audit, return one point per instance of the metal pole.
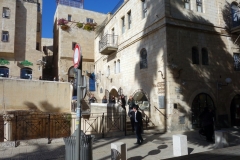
(79, 112)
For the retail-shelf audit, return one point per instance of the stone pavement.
(156, 146)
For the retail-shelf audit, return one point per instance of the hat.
(135, 106)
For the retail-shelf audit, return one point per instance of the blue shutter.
(92, 82)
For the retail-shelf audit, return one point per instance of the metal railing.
(117, 6)
(71, 3)
(109, 40)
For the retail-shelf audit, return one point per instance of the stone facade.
(24, 29)
(64, 39)
(171, 80)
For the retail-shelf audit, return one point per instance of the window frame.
(199, 4)
(38, 46)
(69, 17)
(89, 20)
(123, 24)
(195, 56)
(205, 60)
(4, 11)
(129, 19)
(5, 36)
(143, 59)
(144, 9)
(236, 61)
(187, 2)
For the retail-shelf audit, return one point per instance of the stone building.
(174, 57)
(20, 49)
(66, 38)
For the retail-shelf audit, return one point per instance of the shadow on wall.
(174, 49)
(43, 107)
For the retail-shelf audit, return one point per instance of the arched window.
(4, 71)
(143, 59)
(204, 56)
(195, 56)
(235, 14)
(26, 73)
(118, 66)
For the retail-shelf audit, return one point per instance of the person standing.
(138, 124)
(206, 118)
(92, 99)
(113, 100)
(104, 100)
(123, 102)
(131, 103)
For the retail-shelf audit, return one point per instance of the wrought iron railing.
(31, 1)
(117, 6)
(109, 40)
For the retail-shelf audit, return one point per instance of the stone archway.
(113, 92)
(200, 101)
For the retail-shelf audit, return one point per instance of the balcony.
(108, 44)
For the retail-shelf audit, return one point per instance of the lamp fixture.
(227, 80)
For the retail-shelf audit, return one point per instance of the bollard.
(180, 146)
(221, 139)
(118, 151)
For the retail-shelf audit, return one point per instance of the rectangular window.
(5, 36)
(236, 59)
(123, 24)
(90, 20)
(38, 27)
(144, 8)
(37, 46)
(187, 4)
(73, 45)
(199, 5)
(129, 19)
(113, 37)
(6, 12)
(69, 17)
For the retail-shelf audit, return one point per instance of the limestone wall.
(46, 96)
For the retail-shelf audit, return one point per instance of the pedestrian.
(123, 102)
(131, 102)
(104, 100)
(206, 118)
(119, 100)
(113, 100)
(92, 99)
(138, 124)
(54, 79)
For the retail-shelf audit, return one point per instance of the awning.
(4, 62)
(26, 63)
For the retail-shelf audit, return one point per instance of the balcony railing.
(31, 1)
(108, 44)
(71, 3)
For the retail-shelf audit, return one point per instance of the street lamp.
(227, 80)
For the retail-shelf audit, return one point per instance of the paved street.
(155, 146)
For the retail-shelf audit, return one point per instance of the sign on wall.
(161, 102)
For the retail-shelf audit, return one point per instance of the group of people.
(133, 113)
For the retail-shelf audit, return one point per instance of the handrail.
(161, 112)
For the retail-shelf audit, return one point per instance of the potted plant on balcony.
(90, 26)
(63, 23)
(79, 25)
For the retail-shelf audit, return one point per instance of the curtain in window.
(235, 14)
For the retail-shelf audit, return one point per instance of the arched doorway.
(71, 73)
(26, 73)
(141, 100)
(4, 71)
(113, 92)
(201, 101)
(235, 111)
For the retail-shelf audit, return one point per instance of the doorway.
(235, 111)
(201, 101)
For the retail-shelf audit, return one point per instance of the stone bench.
(180, 146)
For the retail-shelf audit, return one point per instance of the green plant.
(65, 27)
(79, 25)
(88, 27)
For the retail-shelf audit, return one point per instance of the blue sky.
(49, 7)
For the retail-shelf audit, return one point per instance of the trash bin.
(85, 147)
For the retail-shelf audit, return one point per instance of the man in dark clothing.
(123, 102)
(206, 118)
(131, 103)
(92, 99)
(138, 124)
